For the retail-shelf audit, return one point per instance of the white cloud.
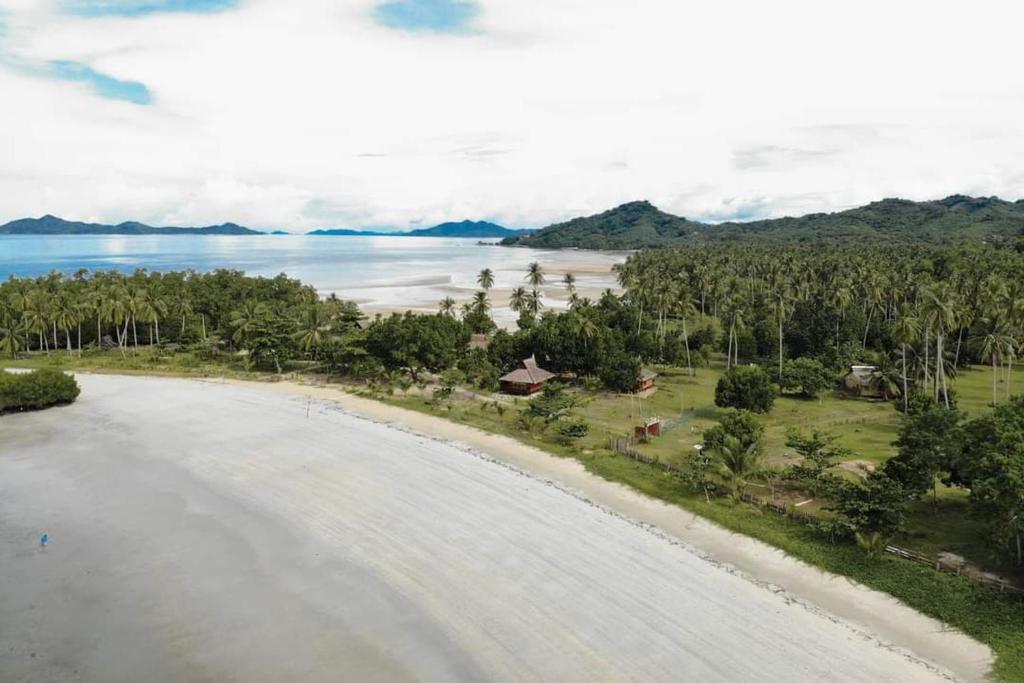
(306, 113)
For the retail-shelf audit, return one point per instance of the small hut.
(646, 381)
(479, 341)
(526, 380)
(650, 427)
(860, 381)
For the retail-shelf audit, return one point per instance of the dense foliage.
(746, 387)
(37, 389)
(639, 225)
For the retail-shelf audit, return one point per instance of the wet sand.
(231, 531)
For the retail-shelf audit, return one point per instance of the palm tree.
(534, 303)
(313, 328)
(584, 327)
(905, 329)
(535, 275)
(569, 280)
(737, 463)
(686, 308)
(12, 329)
(485, 279)
(245, 319)
(994, 345)
(517, 302)
(781, 299)
(447, 306)
(481, 304)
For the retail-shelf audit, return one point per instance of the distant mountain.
(51, 225)
(467, 229)
(639, 225)
(346, 232)
(477, 229)
(635, 225)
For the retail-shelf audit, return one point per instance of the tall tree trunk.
(867, 328)
(780, 346)
(67, 338)
(686, 343)
(54, 335)
(157, 323)
(993, 379)
(926, 359)
(99, 331)
(79, 339)
(906, 399)
(135, 335)
(959, 342)
(202, 317)
(728, 351)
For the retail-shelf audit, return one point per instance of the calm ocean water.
(378, 272)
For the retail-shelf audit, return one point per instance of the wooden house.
(526, 380)
(860, 381)
(646, 381)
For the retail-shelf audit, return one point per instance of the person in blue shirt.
(43, 540)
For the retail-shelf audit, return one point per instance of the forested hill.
(52, 225)
(478, 229)
(640, 225)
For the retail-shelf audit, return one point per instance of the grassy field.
(866, 427)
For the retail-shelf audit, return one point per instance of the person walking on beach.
(43, 540)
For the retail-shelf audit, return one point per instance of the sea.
(382, 274)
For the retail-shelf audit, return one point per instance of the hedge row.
(36, 389)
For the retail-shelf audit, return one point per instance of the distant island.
(476, 229)
(641, 225)
(52, 225)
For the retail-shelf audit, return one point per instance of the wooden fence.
(940, 565)
(627, 447)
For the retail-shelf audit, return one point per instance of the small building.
(526, 380)
(646, 381)
(650, 427)
(479, 341)
(364, 323)
(860, 381)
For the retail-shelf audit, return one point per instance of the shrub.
(739, 424)
(620, 372)
(806, 376)
(571, 429)
(746, 387)
(37, 389)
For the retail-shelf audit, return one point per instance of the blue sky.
(442, 16)
(101, 84)
(135, 8)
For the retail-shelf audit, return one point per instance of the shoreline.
(872, 614)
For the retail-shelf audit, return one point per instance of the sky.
(302, 114)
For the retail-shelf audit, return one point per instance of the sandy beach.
(236, 531)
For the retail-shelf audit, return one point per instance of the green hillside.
(52, 225)
(639, 225)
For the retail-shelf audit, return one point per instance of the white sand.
(205, 531)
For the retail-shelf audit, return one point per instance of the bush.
(747, 388)
(620, 372)
(739, 424)
(35, 390)
(571, 429)
(805, 376)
